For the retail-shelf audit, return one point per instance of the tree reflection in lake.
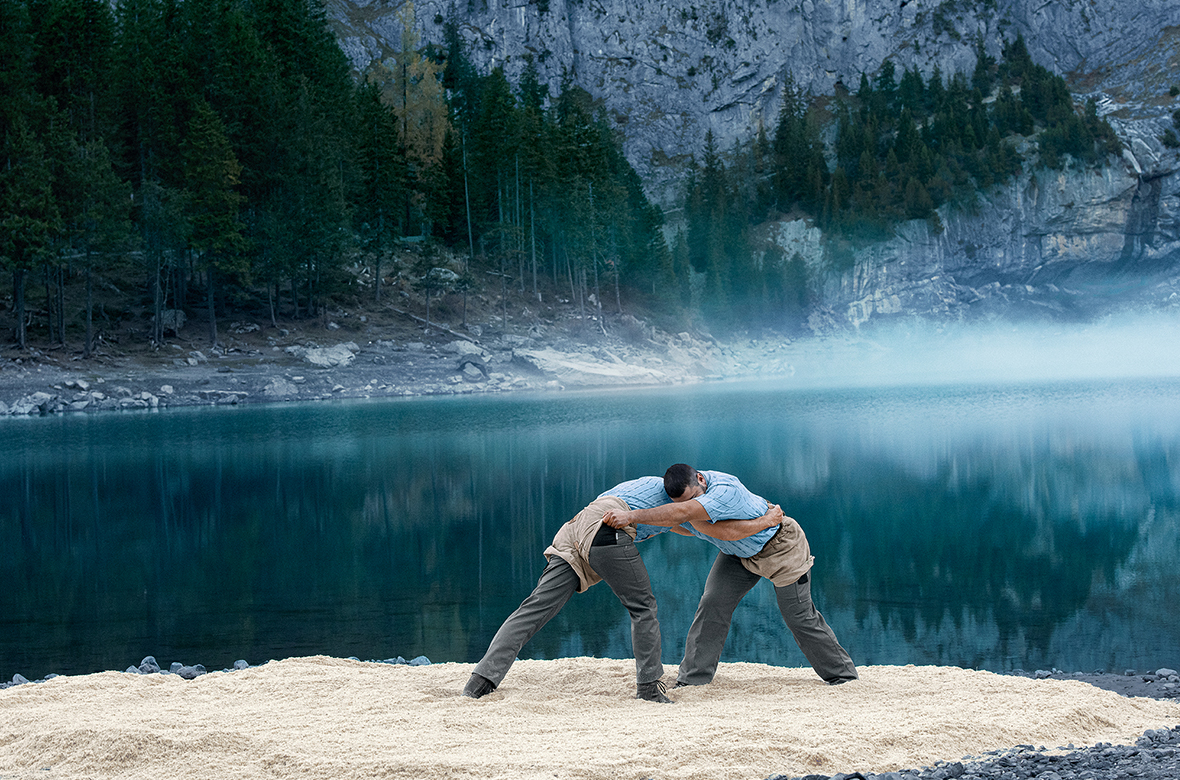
(986, 527)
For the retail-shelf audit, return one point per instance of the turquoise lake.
(993, 527)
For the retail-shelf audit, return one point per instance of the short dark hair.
(677, 479)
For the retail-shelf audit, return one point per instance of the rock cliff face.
(1058, 244)
(668, 70)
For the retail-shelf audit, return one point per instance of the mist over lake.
(994, 526)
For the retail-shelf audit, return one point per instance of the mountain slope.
(668, 71)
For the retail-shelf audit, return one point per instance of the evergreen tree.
(576, 149)
(30, 222)
(493, 150)
(103, 222)
(212, 175)
(1017, 61)
(983, 77)
(918, 204)
(313, 197)
(74, 52)
(460, 78)
(163, 232)
(1105, 140)
(448, 208)
(798, 152)
(151, 92)
(911, 92)
(299, 214)
(707, 217)
(303, 47)
(885, 94)
(537, 165)
(17, 72)
(935, 92)
(907, 144)
(382, 178)
(230, 67)
(151, 96)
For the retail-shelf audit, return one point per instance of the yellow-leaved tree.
(411, 85)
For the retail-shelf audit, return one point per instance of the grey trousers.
(622, 569)
(727, 584)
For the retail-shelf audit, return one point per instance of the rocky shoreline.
(306, 362)
(1154, 756)
(255, 366)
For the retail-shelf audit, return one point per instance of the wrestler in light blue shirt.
(725, 498)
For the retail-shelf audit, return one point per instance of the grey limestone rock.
(460, 347)
(34, 403)
(172, 320)
(577, 368)
(474, 368)
(331, 357)
(280, 387)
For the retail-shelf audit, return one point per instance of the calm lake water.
(994, 527)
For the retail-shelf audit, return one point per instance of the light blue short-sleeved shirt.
(725, 498)
(642, 493)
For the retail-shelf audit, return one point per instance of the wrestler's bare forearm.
(676, 513)
(731, 530)
(725, 530)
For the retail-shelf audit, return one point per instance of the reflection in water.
(990, 527)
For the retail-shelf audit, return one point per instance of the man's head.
(682, 482)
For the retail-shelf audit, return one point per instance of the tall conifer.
(212, 175)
